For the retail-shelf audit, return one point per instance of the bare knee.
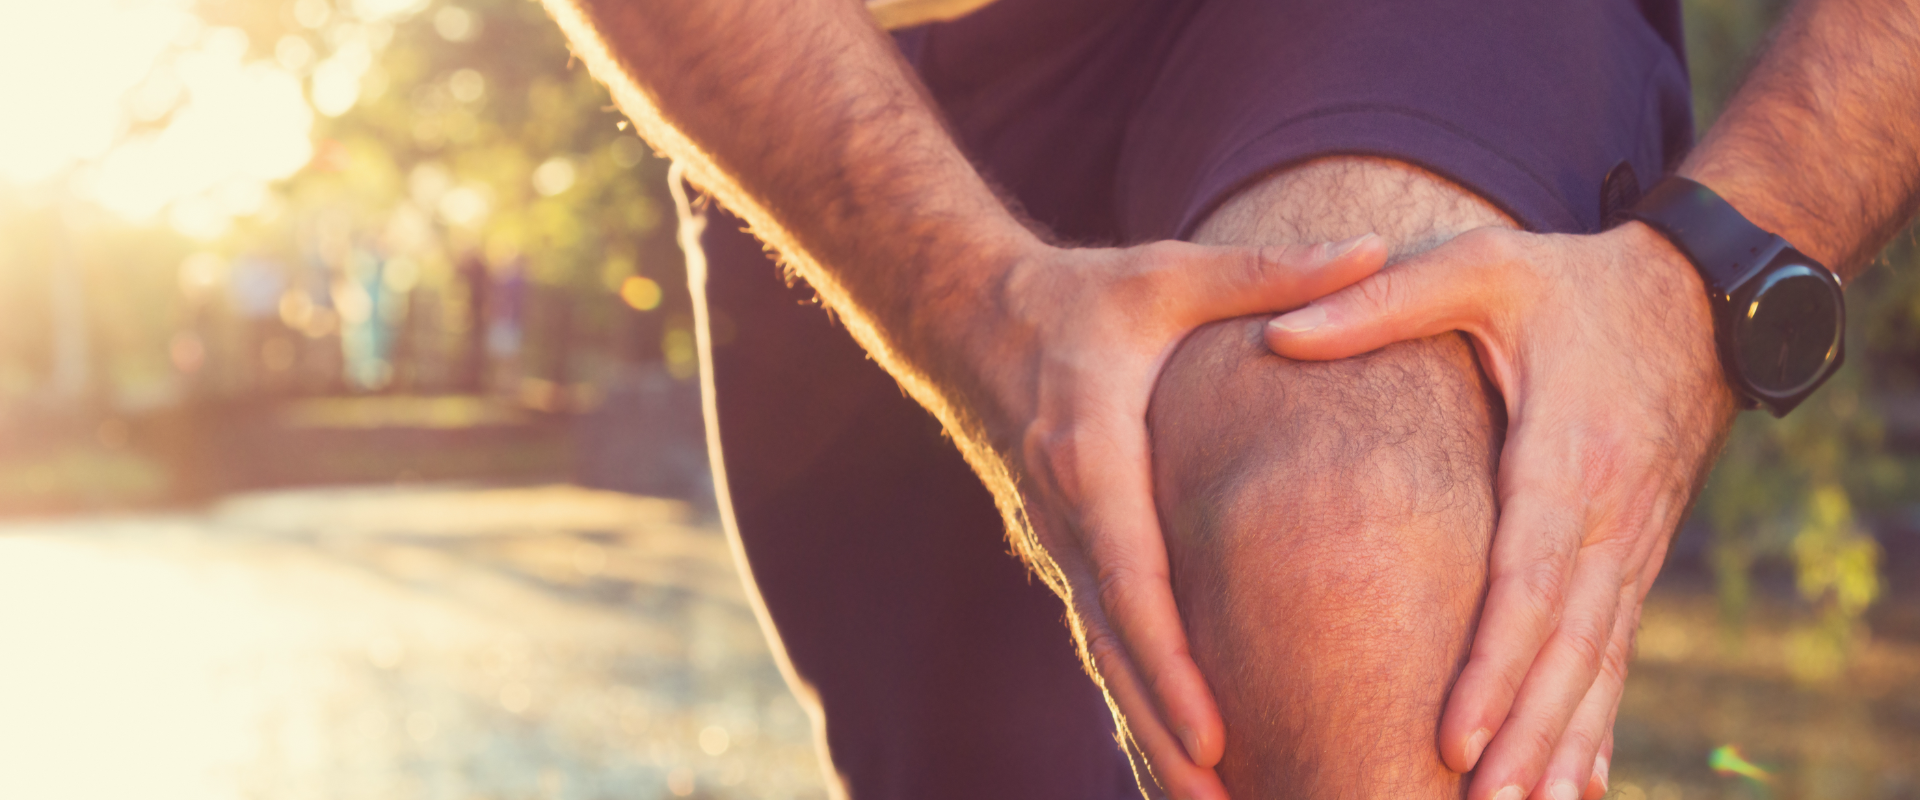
(1328, 527)
(1328, 524)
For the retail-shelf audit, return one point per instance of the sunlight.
(242, 127)
(64, 69)
(137, 106)
(76, 619)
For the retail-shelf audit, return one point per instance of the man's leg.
(1328, 523)
(937, 668)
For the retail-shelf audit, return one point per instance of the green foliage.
(1722, 38)
(469, 132)
(477, 118)
(1800, 491)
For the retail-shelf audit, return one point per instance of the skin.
(1329, 523)
(1601, 347)
(1040, 360)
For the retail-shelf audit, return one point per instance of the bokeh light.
(68, 70)
(153, 111)
(260, 245)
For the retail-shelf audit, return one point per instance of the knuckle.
(1502, 258)
(1509, 677)
(1251, 267)
(1160, 682)
(1023, 281)
(1162, 252)
(1539, 739)
(1051, 452)
(1542, 585)
(1155, 263)
(1384, 293)
(1615, 537)
(1104, 651)
(1585, 638)
(1489, 244)
(1502, 678)
(1579, 740)
(1614, 667)
(1116, 587)
(1607, 444)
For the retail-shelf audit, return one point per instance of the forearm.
(1822, 143)
(802, 118)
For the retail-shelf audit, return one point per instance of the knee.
(1328, 527)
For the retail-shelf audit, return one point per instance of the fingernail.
(1300, 320)
(1563, 790)
(1476, 743)
(1600, 770)
(1510, 793)
(1338, 249)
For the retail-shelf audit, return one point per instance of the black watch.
(1778, 315)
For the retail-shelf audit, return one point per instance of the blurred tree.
(1802, 490)
(464, 133)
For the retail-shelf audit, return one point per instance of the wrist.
(1685, 309)
(1668, 272)
(961, 324)
(1748, 193)
(1778, 316)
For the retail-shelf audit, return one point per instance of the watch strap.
(1720, 241)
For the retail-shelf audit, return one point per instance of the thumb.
(1421, 297)
(1226, 282)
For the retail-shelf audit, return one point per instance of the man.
(1312, 545)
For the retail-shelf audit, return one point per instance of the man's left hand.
(1603, 349)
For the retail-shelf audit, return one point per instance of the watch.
(1778, 315)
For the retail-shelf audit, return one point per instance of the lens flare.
(1726, 760)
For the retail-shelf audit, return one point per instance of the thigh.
(1328, 523)
(939, 669)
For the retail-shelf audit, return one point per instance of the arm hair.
(1822, 142)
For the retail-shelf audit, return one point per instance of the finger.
(1603, 762)
(1453, 287)
(1165, 755)
(1561, 676)
(1574, 768)
(1107, 459)
(1598, 785)
(1136, 595)
(1533, 555)
(1214, 283)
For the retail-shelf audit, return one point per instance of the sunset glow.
(138, 106)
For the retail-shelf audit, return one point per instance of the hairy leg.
(1328, 523)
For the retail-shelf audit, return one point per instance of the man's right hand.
(1072, 350)
(801, 117)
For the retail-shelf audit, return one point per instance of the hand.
(1080, 336)
(1602, 347)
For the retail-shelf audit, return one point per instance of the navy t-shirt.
(1129, 120)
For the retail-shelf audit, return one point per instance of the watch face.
(1789, 329)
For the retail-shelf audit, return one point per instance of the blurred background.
(350, 445)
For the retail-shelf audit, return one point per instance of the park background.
(350, 445)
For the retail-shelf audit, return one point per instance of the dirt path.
(562, 643)
(525, 643)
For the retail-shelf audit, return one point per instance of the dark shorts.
(944, 670)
